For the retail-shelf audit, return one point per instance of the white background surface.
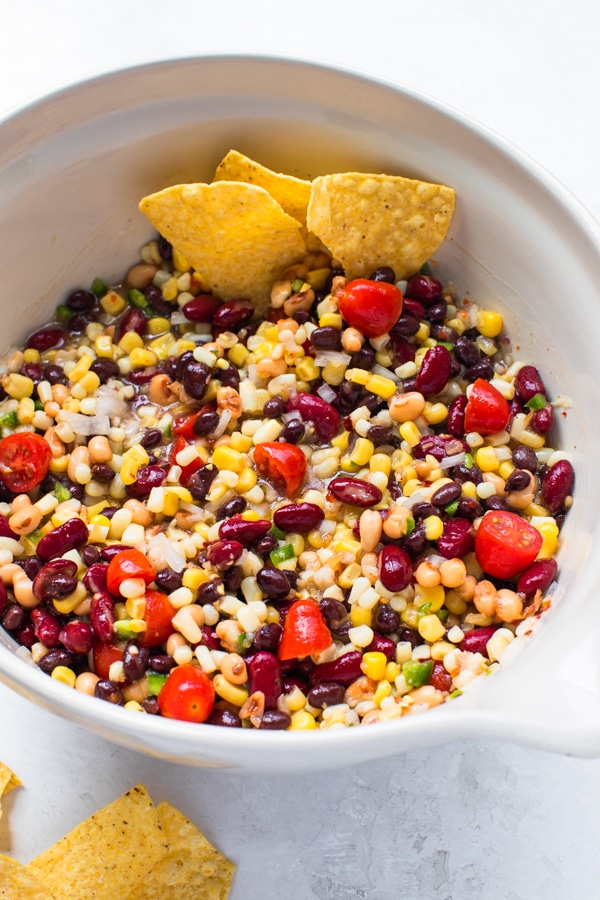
(460, 822)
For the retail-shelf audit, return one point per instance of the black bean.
(199, 482)
(150, 705)
(151, 437)
(102, 473)
(168, 580)
(229, 377)
(383, 273)
(363, 358)
(518, 480)
(54, 658)
(326, 338)
(135, 661)
(161, 663)
(466, 351)
(496, 502)
(274, 407)
(232, 579)
(13, 617)
(481, 369)
(196, 376)
(80, 301)
(106, 689)
(231, 508)
(524, 458)
(273, 583)
(327, 693)
(267, 637)
(210, 591)
(224, 717)
(105, 369)
(293, 431)
(55, 374)
(275, 720)
(446, 494)
(387, 619)
(205, 423)
(265, 544)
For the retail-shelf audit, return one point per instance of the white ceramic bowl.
(72, 169)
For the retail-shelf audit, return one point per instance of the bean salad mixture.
(338, 515)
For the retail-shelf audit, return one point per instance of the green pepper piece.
(424, 610)
(277, 533)
(410, 526)
(60, 492)
(451, 508)
(36, 536)
(137, 299)
(469, 461)
(98, 287)
(538, 401)
(124, 631)
(10, 420)
(416, 673)
(155, 682)
(297, 285)
(281, 554)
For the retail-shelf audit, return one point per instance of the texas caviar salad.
(280, 476)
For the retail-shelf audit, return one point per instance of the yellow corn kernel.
(486, 459)
(457, 324)
(348, 545)
(271, 333)
(423, 333)
(169, 289)
(17, 386)
(535, 509)
(358, 376)
(434, 596)
(238, 355)
(380, 462)
(430, 628)
(469, 488)
(250, 515)
(133, 458)
(72, 601)
(193, 577)
(130, 341)
(383, 387)
(435, 413)
(315, 539)
(440, 648)
(505, 469)
(433, 527)
(341, 441)
(226, 458)
(59, 465)
(98, 533)
(112, 303)
(412, 485)
(373, 664)
(489, 323)
(246, 481)
(141, 358)
(162, 345)
(89, 383)
(171, 503)
(410, 433)
(64, 675)
(548, 528)
(31, 356)
(96, 509)
(383, 690)
(306, 370)
(333, 373)
(233, 693)
(135, 607)
(295, 700)
(26, 411)
(302, 721)
(158, 325)
(360, 616)
(333, 320)
(180, 261)
(530, 439)
(392, 670)
(362, 452)
(240, 442)
(263, 351)
(410, 617)
(103, 346)
(100, 520)
(348, 576)
(318, 278)
(455, 604)
(81, 367)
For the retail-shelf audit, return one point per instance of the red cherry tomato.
(281, 463)
(104, 655)
(158, 618)
(373, 307)
(506, 544)
(24, 461)
(187, 694)
(188, 470)
(304, 631)
(487, 411)
(128, 564)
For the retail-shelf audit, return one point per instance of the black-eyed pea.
(159, 390)
(498, 482)
(280, 292)
(229, 399)
(371, 527)
(509, 606)
(21, 501)
(271, 368)
(466, 589)
(140, 514)
(99, 449)
(369, 567)
(7, 572)
(25, 520)
(352, 340)
(484, 598)
(407, 407)
(79, 457)
(521, 499)
(395, 523)
(57, 446)
(453, 572)
(234, 668)
(23, 590)
(86, 683)
(174, 642)
(228, 633)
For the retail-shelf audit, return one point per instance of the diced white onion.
(169, 553)
(326, 392)
(325, 357)
(455, 460)
(385, 373)
(86, 425)
(223, 423)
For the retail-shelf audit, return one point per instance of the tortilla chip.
(8, 781)
(16, 883)
(192, 868)
(235, 234)
(367, 221)
(106, 856)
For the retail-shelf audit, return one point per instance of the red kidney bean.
(26, 635)
(54, 658)
(402, 351)
(275, 720)
(354, 491)
(71, 535)
(557, 485)
(76, 636)
(440, 679)
(6, 530)
(223, 554)
(542, 421)
(455, 423)
(343, 670)
(298, 518)
(232, 315)
(147, 478)
(528, 383)
(108, 690)
(108, 553)
(289, 682)
(423, 287)
(273, 583)
(13, 617)
(324, 418)
(56, 580)
(538, 577)
(457, 538)
(264, 674)
(46, 338)
(381, 644)
(224, 717)
(46, 627)
(434, 372)
(102, 617)
(413, 307)
(133, 320)
(135, 661)
(395, 568)
(326, 694)
(201, 308)
(475, 641)
(245, 531)
(95, 578)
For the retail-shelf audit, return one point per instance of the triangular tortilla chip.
(8, 781)
(367, 221)
(16, 883)
(234, 234)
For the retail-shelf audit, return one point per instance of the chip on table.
(367, 221)
(234, 234)
(17, 883)
(8, 781)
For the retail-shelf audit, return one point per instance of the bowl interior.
(74, 166)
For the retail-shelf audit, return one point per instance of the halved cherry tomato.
(158, 618)
(506, 544)
(282, 464)
(104, 655)
(373, 307)
(188, 470)
(128, 564)
(187, 694)
(487, 411)
(304, 631)
(24, 461)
